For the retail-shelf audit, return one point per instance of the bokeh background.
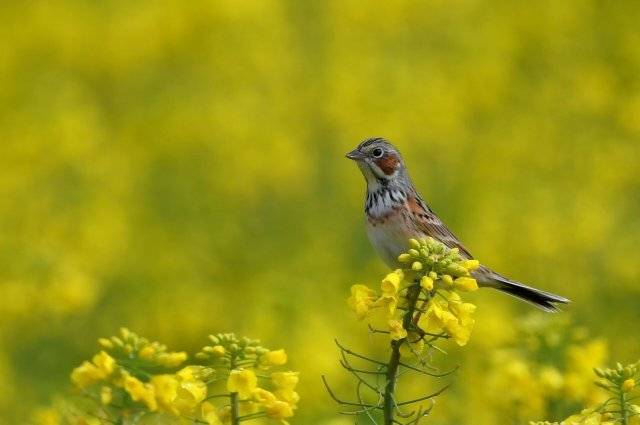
(178, 168)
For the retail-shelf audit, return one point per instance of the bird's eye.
(377, 152)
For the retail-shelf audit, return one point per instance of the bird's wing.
(428, 223)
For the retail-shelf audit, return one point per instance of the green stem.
(394, 361)
(235, 415)
(623, 408)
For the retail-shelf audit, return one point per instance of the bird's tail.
(541, 299)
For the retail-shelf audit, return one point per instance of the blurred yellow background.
(178, 168)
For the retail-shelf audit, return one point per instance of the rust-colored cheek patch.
(388, 164)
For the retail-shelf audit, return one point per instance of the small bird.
(395, 213)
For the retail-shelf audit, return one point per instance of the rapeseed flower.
(242, 381)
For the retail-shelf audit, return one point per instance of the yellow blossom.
(172, 359)
(391, 283)
(426, 283)
(104, 362)
(361, 300)
(466, 284)
(166, 391)
(190, 394)
(190, 373)
(242, 381)
(470, 265)
(263, 397)
(279, 410)
(146, 352)
(388, 303)
(86, 374)
(285, 380)
(396, 331)
(209, 414)
(274, 358)
(628, 384)
(106, 395)
(140, 391)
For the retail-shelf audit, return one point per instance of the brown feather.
(429, 224)
(388, 163)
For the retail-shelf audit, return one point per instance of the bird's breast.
(389, 234)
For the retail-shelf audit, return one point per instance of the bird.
(395, 213)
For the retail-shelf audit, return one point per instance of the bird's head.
(379, 161)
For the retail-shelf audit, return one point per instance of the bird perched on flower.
(395, 213)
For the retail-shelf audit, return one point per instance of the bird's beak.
(355, 155)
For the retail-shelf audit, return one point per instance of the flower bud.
(628, 385)
(417, 266)
(105, 343)
(404, 258)
(426, 283)
(218, 350)
(414, 243)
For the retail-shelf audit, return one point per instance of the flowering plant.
(132, 378)
(420, 304)
(619, 407)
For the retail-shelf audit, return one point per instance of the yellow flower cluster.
(545, 370)
(620, 384)
(439, 273)
(240, 359)
(133, 372)
(127, 371)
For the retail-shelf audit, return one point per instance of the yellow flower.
(279, 410)
(274, 358)
(147, 352)
(470, 265)
(391, 283)
(86, 374)
(106, 396)
(104, 362)
(388, 303)
(189, 395)
(172, 359)
(416, 266)
(628, 385)
(263, 396)
(191, 373)
(166, 391)
(285, 380)
(140, 391)
(396, 331)
(209, 415)
(466, 284)
(426, 283)
(361, 300)
(242, 381)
